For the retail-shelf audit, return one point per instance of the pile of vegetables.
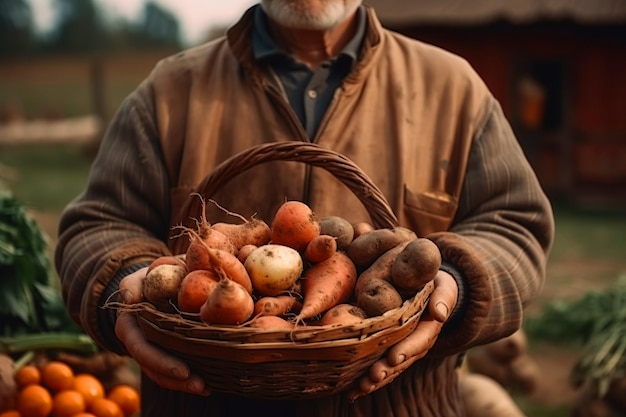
(298, 269)
(34, 324)
(54, 389)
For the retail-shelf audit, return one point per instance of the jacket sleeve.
(120, 219)
(499, 240)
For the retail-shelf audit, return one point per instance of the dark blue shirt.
(309, 91)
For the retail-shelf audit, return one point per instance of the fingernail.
(371, 388)
(442, 311)
(401, 358)
(180, 373)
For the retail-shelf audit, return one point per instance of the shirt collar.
(264, 46)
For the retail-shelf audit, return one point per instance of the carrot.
(223, 262)
(276, 306)
(229, 303)
(244, 251)
(270, 322)
(320, 248)
(252, 232)
(327, 284)
(367, 247)
(195, 288)
(212, 238)
(294, 225)
(343, 314)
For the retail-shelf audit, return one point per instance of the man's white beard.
(297, 14)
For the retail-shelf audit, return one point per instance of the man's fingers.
(131, 287)
(417, 343)
(147, 355)
(444, 297)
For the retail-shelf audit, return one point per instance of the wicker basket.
(302, 363)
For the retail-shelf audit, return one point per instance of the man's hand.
(164, 369)
(415, 346)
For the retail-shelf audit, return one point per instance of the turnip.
(273, 268)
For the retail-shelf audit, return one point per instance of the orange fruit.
(90, 388)
(85, 414)
(57, 376)
(27, 375)
(10, 413)
(68, 402)
(127, 397)
(103, 407)
(34, 401)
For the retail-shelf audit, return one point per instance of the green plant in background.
(32, 313)
(597, 323)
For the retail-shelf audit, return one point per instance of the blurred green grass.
(45, 177)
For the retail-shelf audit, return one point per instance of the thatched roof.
(474, 12)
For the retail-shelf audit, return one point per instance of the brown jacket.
(415, 118)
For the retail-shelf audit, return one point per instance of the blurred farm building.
(558, 67)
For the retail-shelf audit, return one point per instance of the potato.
(339, 228)
(366, 248)
(378, 297)
(416, 265)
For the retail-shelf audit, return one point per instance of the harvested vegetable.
(229, 303)
(160, 286)
(343, 314)
(194, 290)
(273, 268)
(327, 284)
(377, 297)
(320, 248)
(339, 228)
(416, 265)
(294, 225)
(366, 248)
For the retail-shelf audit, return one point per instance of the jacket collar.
(239, 35)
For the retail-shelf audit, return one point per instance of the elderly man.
(417, 119)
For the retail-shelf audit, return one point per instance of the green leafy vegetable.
(29, 302)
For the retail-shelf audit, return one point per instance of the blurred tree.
(79, 27)
(16, 28)
(156, 28)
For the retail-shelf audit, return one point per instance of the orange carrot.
(223, 262)
(294, 225)
(195, 289)
(270, 322)
(320, 248)
(276, 306)
(229, 303)
(343, 314)
(251, 232)
(327, 284)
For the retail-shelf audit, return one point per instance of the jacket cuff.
(475, 293)
(107, 316)
(105, 282)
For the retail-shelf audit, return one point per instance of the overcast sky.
(195, 16)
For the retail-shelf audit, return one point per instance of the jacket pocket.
(429, 211)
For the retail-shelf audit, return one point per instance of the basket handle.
(338, 165)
